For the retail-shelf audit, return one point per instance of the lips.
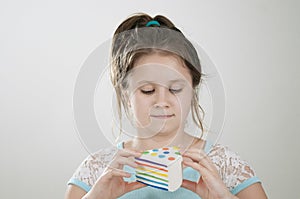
(163, 116)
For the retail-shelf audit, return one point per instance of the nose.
(162, 99)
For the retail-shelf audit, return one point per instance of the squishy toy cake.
(160, 168)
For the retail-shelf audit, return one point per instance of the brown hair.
(132, 39)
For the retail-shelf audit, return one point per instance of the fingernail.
(186, 162)
(181, 151)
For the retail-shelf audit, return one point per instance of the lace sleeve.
(236, 173)
(91, 168)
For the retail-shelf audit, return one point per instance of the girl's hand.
(110, 184)
(210, 185)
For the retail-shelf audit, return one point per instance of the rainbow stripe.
(152, 173)
(152, 185)
(144, 160)
(141, 164)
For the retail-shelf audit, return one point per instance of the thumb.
(189, 185)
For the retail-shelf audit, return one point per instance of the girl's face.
(160, 93)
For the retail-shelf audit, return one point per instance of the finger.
(189, 185)
(194, 187)
(195, 154)
(113, 172)
(204, 160)
(207, 176)
(187, 159)
(208, 180)
(196, 150)
(124, 157)
(128, 153)
(133, 186)
(126, 161)
(194, 165)
(119, 162)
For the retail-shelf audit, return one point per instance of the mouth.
(163, 116)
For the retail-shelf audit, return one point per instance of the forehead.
(160, 68)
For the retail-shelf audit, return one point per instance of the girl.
(156, 74)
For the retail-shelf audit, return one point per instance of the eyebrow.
(153, 82)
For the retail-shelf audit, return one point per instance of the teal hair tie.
(153, 22)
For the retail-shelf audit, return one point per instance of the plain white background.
(255, 45)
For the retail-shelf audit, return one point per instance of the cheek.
(140, 107)
(184, 104)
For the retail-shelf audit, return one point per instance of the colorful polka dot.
(171, 158)
(161, 156)
(175, 148)
(145, 152)
(165, 149)
(154, 154)
(155, 150)
(166, 152)
(177, 153)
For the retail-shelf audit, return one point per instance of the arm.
(74, 192)
(112, 177)
(253, 191)
(210, 185)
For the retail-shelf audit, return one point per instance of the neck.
(182, 140)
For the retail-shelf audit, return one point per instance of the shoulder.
(92, 167)
(234, 171)
(101, 157)
(220, 152)
(223, 153)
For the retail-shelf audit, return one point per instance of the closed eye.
(148, 92)
(175, 90)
